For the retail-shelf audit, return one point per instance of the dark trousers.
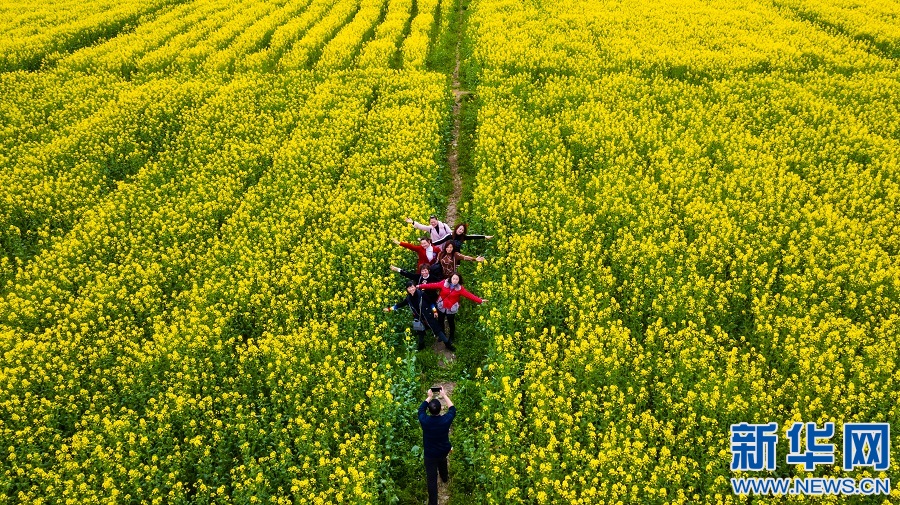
(433, 466)
(437, 327)
(421, 335)
(451, 319)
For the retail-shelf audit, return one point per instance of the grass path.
(446, 357)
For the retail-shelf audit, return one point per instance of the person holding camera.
(436, 439)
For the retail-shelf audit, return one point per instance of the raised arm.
(451, 409)
(397, 306)
(409, 275)
(470, 296)
(418, 226)
(411, 247)
(431, 285)
(443, 239)
(469, 258)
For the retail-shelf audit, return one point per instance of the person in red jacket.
(451, 290)
(428, 254)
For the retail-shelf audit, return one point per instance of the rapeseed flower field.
(696, 218)
(699, 207)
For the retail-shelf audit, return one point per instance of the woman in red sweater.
(448, 299)
(428, 254)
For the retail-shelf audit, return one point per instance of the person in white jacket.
(438, 229)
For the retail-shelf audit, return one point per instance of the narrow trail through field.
(447, 357)
(453, 154)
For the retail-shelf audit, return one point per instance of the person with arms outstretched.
(436, 439)
(427, 253)
(449, 258)
(426, 274)
(449, 292)
(436, 228)
(460, 234)
(423, 316)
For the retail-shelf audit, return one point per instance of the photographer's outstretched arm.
(447, 398)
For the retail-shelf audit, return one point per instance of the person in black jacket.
(423, 316)
(460, 234)
(426, 274)
(436, 439)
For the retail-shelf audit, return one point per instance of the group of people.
(435, 288)
(434, 291)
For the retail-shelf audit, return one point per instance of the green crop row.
(691, 239)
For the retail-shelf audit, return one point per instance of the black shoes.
(450, 346)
